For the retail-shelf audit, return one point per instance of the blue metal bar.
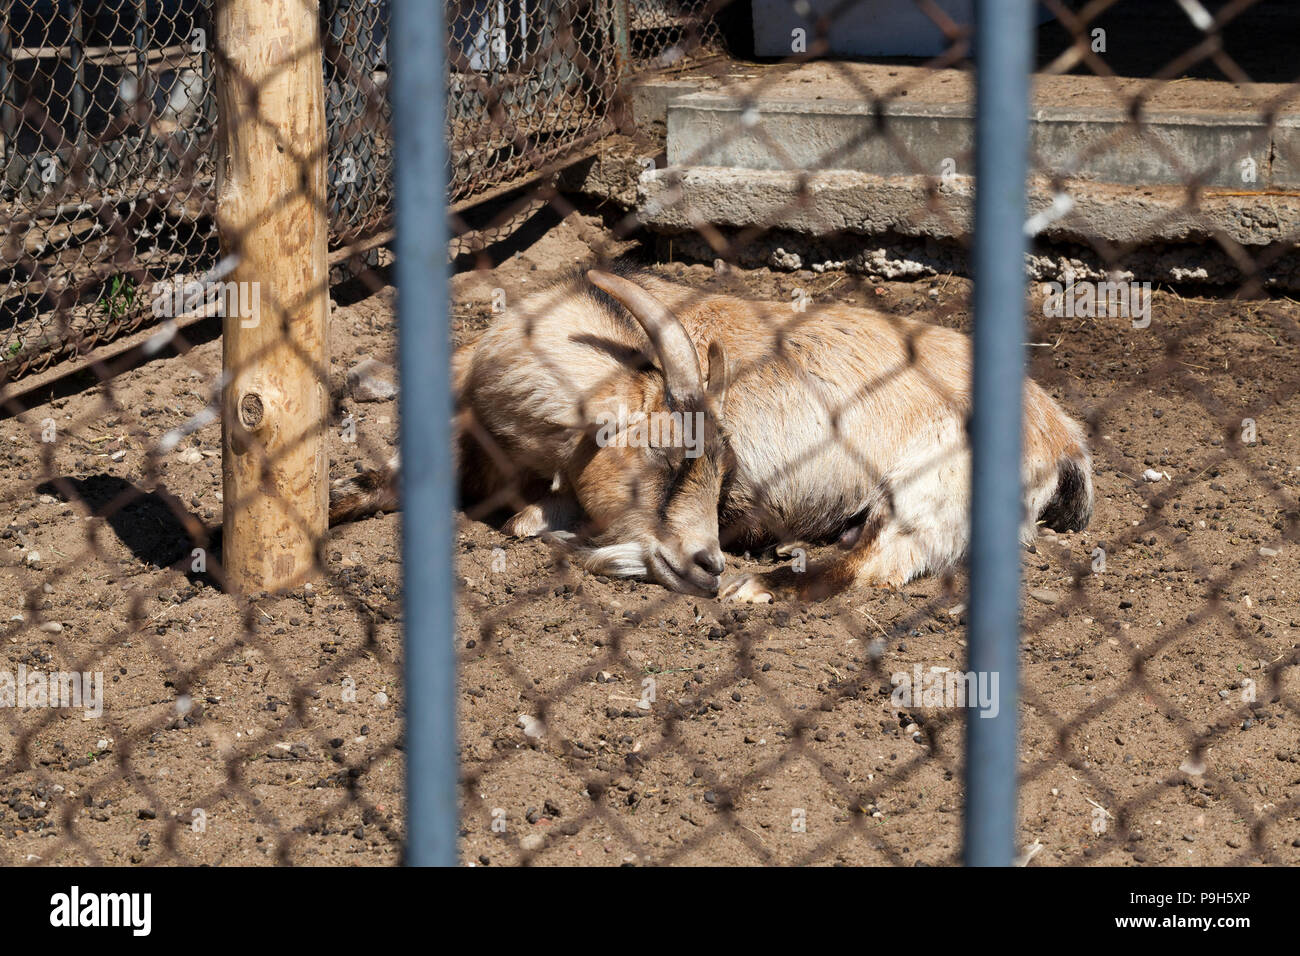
(424, 346)
(1004, 42)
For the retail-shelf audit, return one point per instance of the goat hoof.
(528, 523)
(747, 589)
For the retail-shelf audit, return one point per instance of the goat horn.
(676, 351)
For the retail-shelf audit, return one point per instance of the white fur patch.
(623, 560)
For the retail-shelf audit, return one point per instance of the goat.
(836, 423)
(536, 391)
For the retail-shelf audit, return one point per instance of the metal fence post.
(424, 341)
(622, 40)
(1004, 42)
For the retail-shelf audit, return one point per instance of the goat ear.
(719, 376)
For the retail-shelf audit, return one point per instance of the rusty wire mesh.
(529, 84)
(1159, 648)
(178, 720)
(671, 33)
(614, 721)
(107, 114)
(1206, 752)
(233, 726)
(622, 754)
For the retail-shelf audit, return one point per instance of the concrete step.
(844, 201)
(870, 148)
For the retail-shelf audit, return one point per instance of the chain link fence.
(622, 699)
(607, 721)
(529, 84)
(159, 706)
(671, 33)
(1197, 614)
(107, 114)
(166, 695)
(123, 92)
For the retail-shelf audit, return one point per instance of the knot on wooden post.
(251, 411)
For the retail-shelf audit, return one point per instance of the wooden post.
(272, 217)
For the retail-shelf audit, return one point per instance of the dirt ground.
(771, 736)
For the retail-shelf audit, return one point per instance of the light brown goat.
(831, 423)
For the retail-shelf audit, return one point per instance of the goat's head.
(661, 467)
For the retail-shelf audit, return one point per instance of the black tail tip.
(1071, 506)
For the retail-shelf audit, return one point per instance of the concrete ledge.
(903, 138)
(680, 200)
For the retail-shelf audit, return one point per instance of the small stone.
(1044, 596)
(532, 842)
(534, 729)
(52, 627)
